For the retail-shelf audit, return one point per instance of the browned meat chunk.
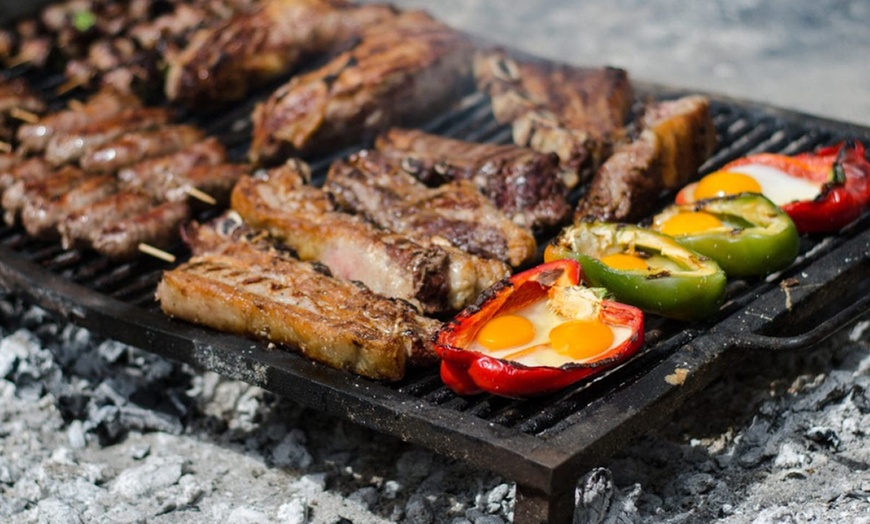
(455, 212)
(403, 71)
(678, 136)
(577, 113)
(134, 147)
(436, 277)
(158, 227)
(225, 62)
(104, 105)
(527, 186)
(40, 188)
(24, 170)
(81, 228)
(270, 296)
(158, 170)
(41, 216)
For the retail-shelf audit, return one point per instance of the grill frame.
(544, 458)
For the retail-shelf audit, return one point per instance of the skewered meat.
(526, 185)
(678, 136)
(16, 94)
(268, 295)
(577, 113)
(42, 213)
(23, 171)
(134, 147)
(437, 277)
(225, 62)
(82, 227)
(455, 212)
(403, 71)
(69, 147)
(158, 226)
(105, 104)
(215, 181)
(206, 152)
(49, 187)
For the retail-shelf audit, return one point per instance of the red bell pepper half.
(843, 172)
(467, 372)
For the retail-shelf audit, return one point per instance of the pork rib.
(527, 186)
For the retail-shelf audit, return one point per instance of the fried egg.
(537, 336)
(689, 223)
(777, 185)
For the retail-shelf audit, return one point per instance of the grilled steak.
(403, 71)
(678, 136)
(457, 212)
(577, 113)
(69, 147)
(104, 105)
(158, 226)
(270, 296)
(226, 61)
(134, 147)
(527, 186)
(436, 277)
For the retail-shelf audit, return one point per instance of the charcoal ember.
(418, 510)
(291, 452)
(294, 511)
(598, 500)
(16, 348)
(826, 437)
(155, 474)
(53, 510)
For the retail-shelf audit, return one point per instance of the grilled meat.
(134, 147)
(158, 226)
(104, 105)
(403, 71)
(44, 188)
(247, 290)
(42, 214)
(82, 227)
(215, 181)
(69, 147)
(437, 277)
(527, 186)
(384, 194)
(207, 152)
(16, 94)
(678, 136)
(23, 171)
(577, 113)
(226, 61)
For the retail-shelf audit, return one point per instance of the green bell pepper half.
(678, 283)
(756, 237)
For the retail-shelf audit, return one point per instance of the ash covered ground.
(95, 431)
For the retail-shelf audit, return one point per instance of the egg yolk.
(690, 223)
(724, 183)
(506, 331)
(624, 262)
(581, 339)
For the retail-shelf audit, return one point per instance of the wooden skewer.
(68, 86)
(156, 252)
(5, 147)
(201, 196)
(16, 61)
(24, 115)
(75, 105)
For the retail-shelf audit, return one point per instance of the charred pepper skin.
(469, 372)
(757, 237)
(687, 287)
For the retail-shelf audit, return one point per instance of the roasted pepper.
(536, 332)
(746, 234)
(821, 191)
(643, 268)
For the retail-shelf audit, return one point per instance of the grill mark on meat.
(161, 170)
(456, 211)
(134, 147)
(50, 187)
(25, 170)
(80, 228)
(69, 147)
(577, 113)
(224, 62)
(678, 136)
(402, 72)
(527, 186)
(158, 226)
(105, 104)
(41, 215)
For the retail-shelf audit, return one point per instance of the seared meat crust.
(403, 71)
(134, 147)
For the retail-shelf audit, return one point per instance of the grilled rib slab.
(528, 186)
(402, 72)
(457, 212)
(262, 294)
(577, 113)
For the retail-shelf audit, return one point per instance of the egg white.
(544, 321)
(778, 186)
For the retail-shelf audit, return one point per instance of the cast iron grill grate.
(537, 442)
